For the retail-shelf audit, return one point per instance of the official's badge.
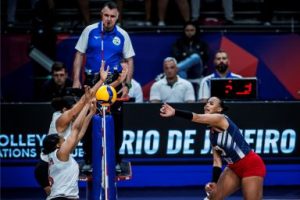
(116, 41)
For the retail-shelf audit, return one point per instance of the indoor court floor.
(161, 193)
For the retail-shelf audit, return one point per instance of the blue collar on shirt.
(105, 32)
(228, 75)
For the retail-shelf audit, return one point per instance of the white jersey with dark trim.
(63, 176)
(52, 128)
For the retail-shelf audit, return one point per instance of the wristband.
(184, 114)
(216, 174)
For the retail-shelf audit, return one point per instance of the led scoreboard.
(234, 88)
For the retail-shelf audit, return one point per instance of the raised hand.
(93, 106)
(210, 189)
(167, 110)
(103, 73)
(88, 94)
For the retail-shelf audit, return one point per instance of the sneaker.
(161, 23)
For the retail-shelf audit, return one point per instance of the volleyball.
(106, 94)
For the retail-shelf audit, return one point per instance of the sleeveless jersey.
(63, 177)
(230, 142)
(52, 128)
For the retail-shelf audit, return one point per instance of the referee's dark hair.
(110, 5)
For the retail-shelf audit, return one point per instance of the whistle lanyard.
(102, 42)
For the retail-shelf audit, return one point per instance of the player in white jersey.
(63, 169)
(67, 110)
(245, 169)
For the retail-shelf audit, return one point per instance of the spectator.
(105, 41)
(56, 86)
(183, 6)
(171, 88)
(221, 62)
(227, 7)
(136, 91)
(190, 52)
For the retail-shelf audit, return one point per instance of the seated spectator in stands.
(136, 91)
(190, 52)
(56, 86)
(227, 7)
(221, 62)
(183, 6)
(171, 88)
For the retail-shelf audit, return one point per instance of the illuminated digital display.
(235, 89)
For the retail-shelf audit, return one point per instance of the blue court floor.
(174, 193)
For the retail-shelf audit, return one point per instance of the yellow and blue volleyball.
(106, 94)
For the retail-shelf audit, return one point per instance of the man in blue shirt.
(222, 70)
(104, 41)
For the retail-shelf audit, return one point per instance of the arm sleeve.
(128, 50)
(82, 42)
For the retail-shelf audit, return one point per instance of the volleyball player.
(63, 169)
(67, 110)
(245, 169)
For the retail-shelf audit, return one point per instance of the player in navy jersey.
(245, 169)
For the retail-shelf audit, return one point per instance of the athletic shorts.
(250, 165)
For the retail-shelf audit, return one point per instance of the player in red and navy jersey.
(245, 169)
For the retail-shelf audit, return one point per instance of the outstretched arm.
(69, 115)
(214, 120)
(103, 76)
(73, 139)
(92, 111)
(121, 77)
